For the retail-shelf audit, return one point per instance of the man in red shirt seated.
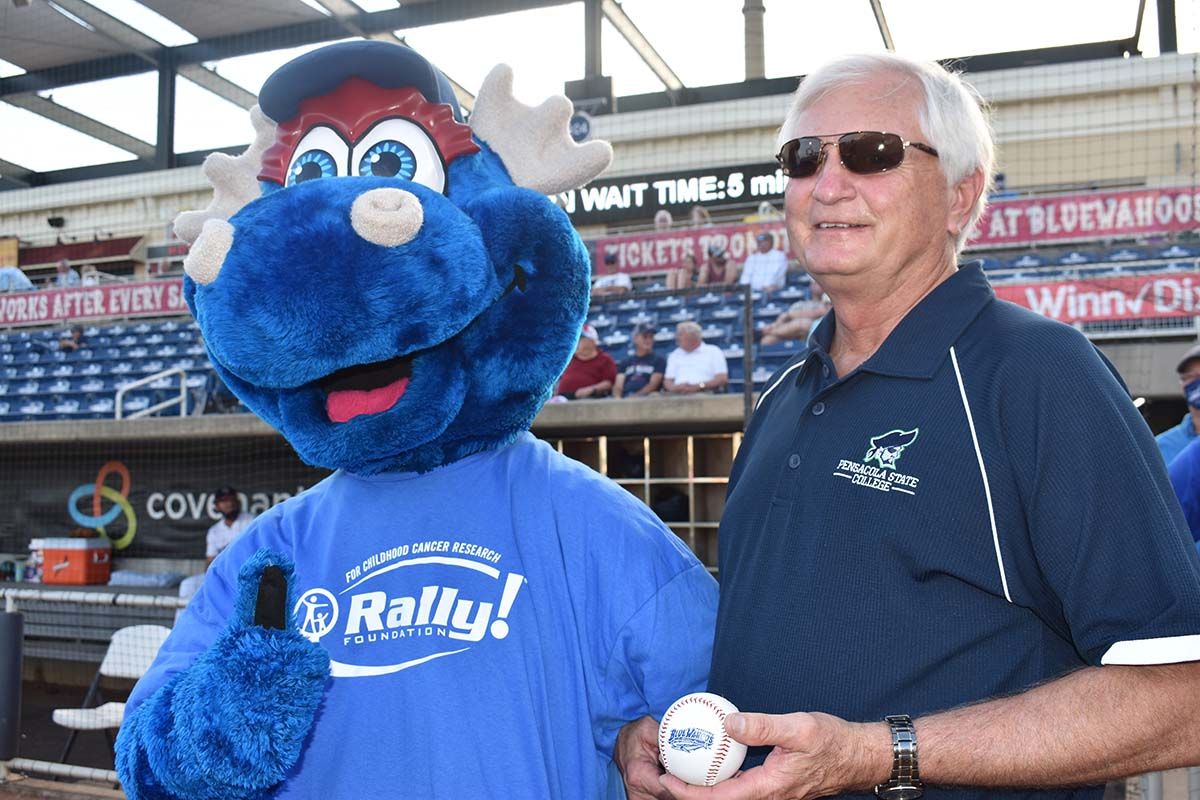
(591, 371)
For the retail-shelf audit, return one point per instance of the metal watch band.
(905, 783)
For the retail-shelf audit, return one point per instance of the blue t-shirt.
(1173, 440)
(947, 524)
(491, 626)
(639, 369)
(1184, 470)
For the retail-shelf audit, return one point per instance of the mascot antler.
(534, 143)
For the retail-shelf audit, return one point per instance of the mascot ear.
(235, 183)
(534, 143)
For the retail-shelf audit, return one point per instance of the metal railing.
(181, 400)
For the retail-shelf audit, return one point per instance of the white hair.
(953, 117)
(690, 327)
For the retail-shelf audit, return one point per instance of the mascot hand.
(232, 724)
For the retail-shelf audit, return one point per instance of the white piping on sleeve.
(1164, 650)
(771, 388)
(987, 489)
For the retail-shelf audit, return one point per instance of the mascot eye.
(400, 148)
(322, 153)
(311, 164)
(388, 159)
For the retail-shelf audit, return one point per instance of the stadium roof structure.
(53, 44)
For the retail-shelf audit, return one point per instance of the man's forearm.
(1084, 728)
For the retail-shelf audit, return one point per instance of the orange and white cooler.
(76, 561)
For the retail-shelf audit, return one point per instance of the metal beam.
(411, 15)
(15, 173)
(640, 44)
(1168, 37)
(755, 44)
(112, 28)
(881, 21)
(51, 110)
(219, 85)
(593, 12)
(164, 142)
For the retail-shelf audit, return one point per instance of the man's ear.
(964, 194)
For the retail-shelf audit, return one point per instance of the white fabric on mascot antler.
(234, 180)
(534, 143)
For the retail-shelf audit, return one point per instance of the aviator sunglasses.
(861, 152)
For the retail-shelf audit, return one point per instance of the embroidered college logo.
(689, 740)
(887, 449)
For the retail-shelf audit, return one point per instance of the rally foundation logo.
(428, 607)
(885, 451)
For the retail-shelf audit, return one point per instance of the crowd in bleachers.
(46, 375)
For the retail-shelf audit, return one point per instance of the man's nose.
(833, 181)
(389, 217)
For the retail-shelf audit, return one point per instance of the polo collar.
(922, 340)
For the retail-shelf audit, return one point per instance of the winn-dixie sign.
(1093, 215)
(648, 252)
(1172, 294)
(118, 300)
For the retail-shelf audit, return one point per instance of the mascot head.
(383, 283)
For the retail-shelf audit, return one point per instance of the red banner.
(1160, 294)
(1089, 215)
(650, 252)
(149, 298)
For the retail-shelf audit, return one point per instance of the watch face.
(902, 793)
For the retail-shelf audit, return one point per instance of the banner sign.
(650, 252)
(144, 299)
(639, 197)
(152, 499)
(1088, 215)
(1162, 294)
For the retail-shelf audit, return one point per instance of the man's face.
(688, 340)
(894, 217)
(228, 505)
(764, 245)
(1191, 371)
(586, 349)
(643, 343)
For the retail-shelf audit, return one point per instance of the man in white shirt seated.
(694, 366)
(613, 281)
(233, 521)
(766, 270)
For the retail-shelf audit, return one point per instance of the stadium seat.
(1072, 258)
(1126, 254)
(93, 368)
(121, 367)
(94, 385)
(153, 338)
(1178, 251)
(136, 352)
(141, 328)
(127, 341)
(683, 314)
(150, 367)
(62, 370)
(668, 302)
(708, 299)
(1028, 260)
(726, 313)
(102, 405)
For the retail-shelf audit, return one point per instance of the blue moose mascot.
(457, 611)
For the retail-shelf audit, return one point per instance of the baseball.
(692, 743)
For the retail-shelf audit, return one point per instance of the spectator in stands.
(798, 320)
(1172, 441)
(65, 277)
(217, 397)
(717, 271)
(231, 524)
(985, 606)
(72, 340)
(641, 374)
(663, 220)
(591, 371)
(1184, 471)
(13, 279)
(89, 275)
(686, 275)
(613, 281)
(699, 217)
(765, 270)
(694, 366)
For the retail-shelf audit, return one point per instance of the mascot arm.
(662, 653)
(230, 725)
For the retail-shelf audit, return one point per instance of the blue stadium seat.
(1126, 254)
(668, 302)
(153, 339)
(9, 372)
(602, 321)
(768, 311)
(93, 368)
(127, 341)
(62, 370)
(630, 305)
(1073, 258)
(682, 314)
(33, 371)
(28, 387)
(152, 366)
(715, 334)
(726, 313)
(121, 367)
(141, 328)
(94, 385)
(136, 352)
(1178, 251)
(615, 340)
(195, 350)
(1028, 260)
(102, 405)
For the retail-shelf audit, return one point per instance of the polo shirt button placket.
(794, 461)
(818, 408)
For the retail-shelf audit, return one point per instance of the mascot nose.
(387, 217)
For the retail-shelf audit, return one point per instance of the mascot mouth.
(365, 389)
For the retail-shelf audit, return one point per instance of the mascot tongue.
(365, 389)
(345, 405)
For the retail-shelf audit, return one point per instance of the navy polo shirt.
(976, 509)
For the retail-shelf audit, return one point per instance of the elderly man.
(590, 372)
(613, 281)
(65, 277)
(694, 366)
(641, 374)
(766, 269)
(924, 522)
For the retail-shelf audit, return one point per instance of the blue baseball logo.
(689, 740)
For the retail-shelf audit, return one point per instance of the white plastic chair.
(130, 653)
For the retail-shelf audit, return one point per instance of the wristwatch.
(905, 783)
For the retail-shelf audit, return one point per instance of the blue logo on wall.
(690, 739)
(581, 126)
